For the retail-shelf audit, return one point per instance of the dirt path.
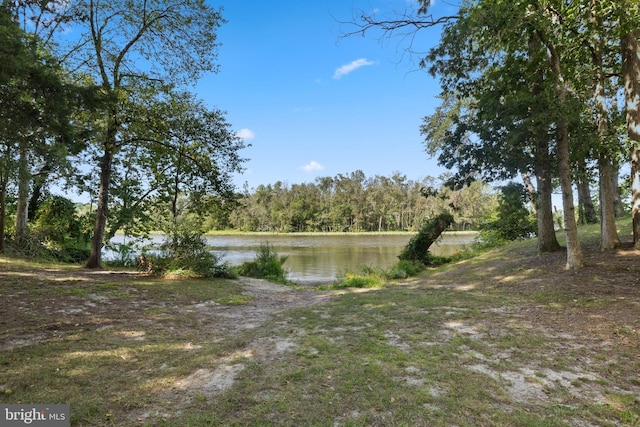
(30, 314)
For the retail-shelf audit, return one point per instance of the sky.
(313, 103)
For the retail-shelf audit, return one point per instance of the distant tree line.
(355, 203)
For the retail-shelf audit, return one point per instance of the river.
(320, 258)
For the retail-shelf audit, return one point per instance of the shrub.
(514, 220)
(185, 253)
(58, 231)
(267, 265)
(126, 255)
(353, 280)
(405, 268)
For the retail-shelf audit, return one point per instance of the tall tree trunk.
(618, 206)
(3, 211)
(24, 178)
(102, 209)
(608, 232)
(547, 239)
(587, 212)
(575, 258)
(631, 78)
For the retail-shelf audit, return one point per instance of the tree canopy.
(532, 87)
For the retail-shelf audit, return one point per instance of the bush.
(57, 232)
(126, 255)
(514, 219)
(267, 265)
(352, 280)
(185, 253)
(405, 268)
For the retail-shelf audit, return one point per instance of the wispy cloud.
(246, 134)
(311, 167)
(352, 66)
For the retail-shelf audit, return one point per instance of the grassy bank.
(505, 339)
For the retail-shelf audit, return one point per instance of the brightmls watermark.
(34, 415)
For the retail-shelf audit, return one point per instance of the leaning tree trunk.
(631, 77)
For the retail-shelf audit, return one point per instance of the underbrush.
(267, 265)
(184, 254)
(372, 277)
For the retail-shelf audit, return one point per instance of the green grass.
(464, 345)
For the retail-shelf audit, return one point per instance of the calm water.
(320, 258)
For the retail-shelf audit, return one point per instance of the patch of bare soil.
(32, 314)
(590, 318)
(585, 313)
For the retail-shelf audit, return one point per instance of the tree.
(190, 158)
(628, 13)
(513, 219)
(124, 43)
(493, 121)
(35, 106)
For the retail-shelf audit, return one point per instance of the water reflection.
(315, 258)
(321, 258)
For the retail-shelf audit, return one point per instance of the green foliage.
(126, 255)
(267, 265)
(185, 253)
(513, 221)
(369, 277)
(59, 230)
(354, 280)
(418, 247)
(405, 268)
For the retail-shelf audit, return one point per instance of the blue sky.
(312, 103)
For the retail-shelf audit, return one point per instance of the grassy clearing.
(504, 339)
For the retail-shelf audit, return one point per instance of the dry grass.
(505, 339)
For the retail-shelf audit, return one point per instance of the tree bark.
(547, 240)
(608, 232)
(631, 78)
(24, 177)
(575, 258)
(587, 212)
(102, 209)
(618, 206)
(3, 211)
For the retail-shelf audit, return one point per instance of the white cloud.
(352, 66)
(246, 134)
(313, 166)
